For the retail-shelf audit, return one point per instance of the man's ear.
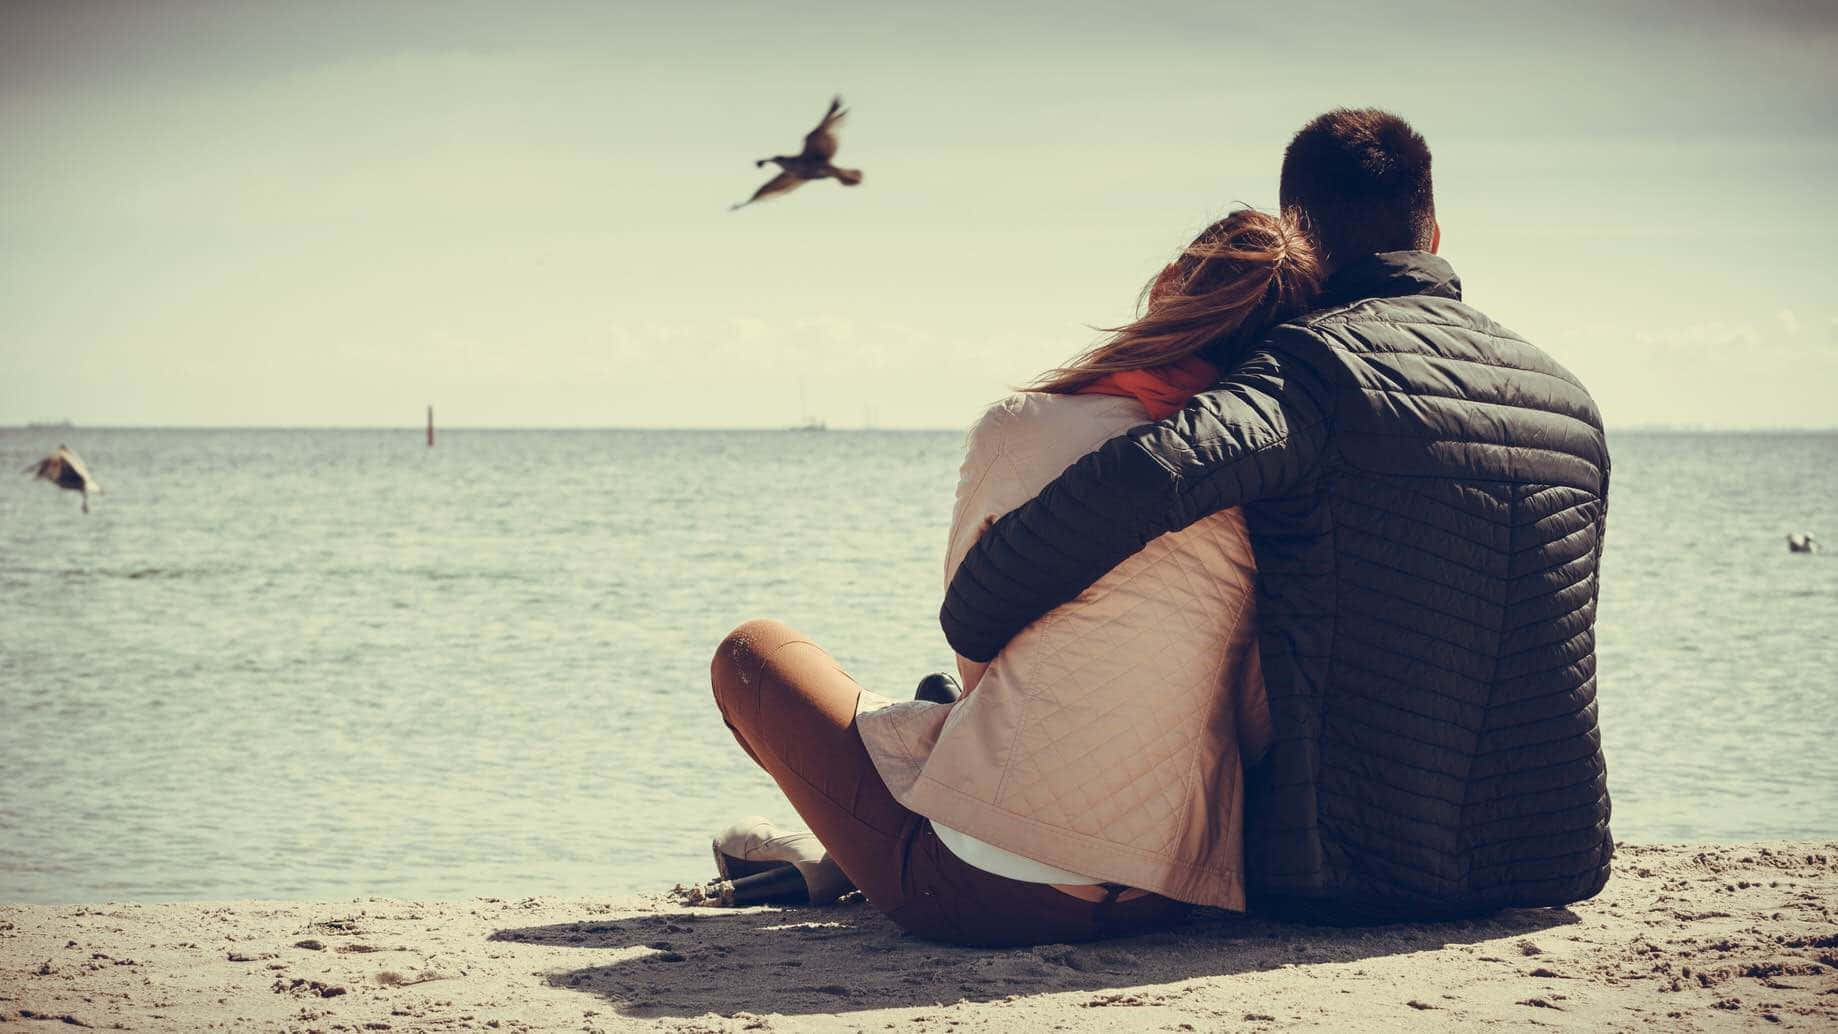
(1436, 238)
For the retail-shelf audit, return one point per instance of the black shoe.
(938, 688)
(762, 864)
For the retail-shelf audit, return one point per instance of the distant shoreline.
(773, 429)
(1699, 937)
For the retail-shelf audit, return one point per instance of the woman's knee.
(740, 659)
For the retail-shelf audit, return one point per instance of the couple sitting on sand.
(1281, 599)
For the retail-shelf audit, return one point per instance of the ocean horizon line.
(1652, 428)
(419, 429)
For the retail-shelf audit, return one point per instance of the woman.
(1087, 784)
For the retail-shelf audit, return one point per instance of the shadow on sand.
(848, 958)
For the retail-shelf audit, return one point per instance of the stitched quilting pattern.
(1095, 754)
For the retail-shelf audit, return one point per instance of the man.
(1425, 493)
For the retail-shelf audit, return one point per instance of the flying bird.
(65, 469)
(812, 163)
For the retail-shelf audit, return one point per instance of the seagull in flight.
(65, 469)
(812, 163)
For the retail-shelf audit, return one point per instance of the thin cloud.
(1700, 337)
(1720, 336)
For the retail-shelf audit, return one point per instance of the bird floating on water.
(1803, 542)
(65, 469)
(812, 163)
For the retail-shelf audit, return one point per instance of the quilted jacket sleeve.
(1257, 434)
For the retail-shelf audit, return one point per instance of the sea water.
(326, 663)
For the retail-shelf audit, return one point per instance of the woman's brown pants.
(792, 708)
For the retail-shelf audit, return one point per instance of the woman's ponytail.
(1243, 275)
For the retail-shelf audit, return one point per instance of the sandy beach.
(1685, 938)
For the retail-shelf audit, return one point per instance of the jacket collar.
(1390, 274)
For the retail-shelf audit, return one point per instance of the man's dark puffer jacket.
(1425, 493)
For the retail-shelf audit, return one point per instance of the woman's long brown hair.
(1244, 274)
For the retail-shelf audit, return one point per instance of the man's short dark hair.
(1361, 180)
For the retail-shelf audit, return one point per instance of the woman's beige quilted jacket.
(1109, 737)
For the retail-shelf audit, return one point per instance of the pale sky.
(326, 214)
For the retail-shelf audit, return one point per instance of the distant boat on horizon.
(806, 422)
(49, 425)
